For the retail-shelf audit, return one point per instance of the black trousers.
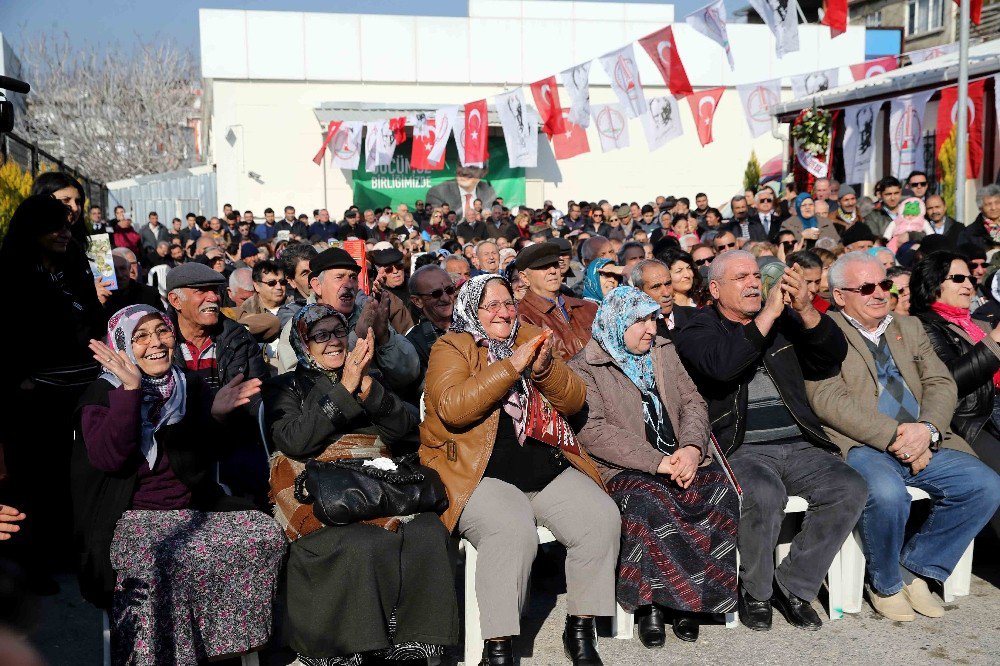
(768, 474)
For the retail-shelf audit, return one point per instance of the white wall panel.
(495, 8)
(442, 44)
(275, 45)
(599, 11)
(547, 47)
(388, 48)
(332, 47)
(496, 52)
(223, 58)
(547, 9)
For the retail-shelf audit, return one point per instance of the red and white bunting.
(866, 70)
(947, 118)
(476, 133)
(422, 146)
(623, 73)
(331, 130)
(572, 142)
(703, 105)
(662, 49)
(612, 126)
(546, 95)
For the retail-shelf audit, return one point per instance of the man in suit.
(769, 219)
(460, 194)
(742, 224)
(941, 222)
(652, 277)
(889, 409)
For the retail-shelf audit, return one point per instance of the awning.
(368, 111)
(984, 60)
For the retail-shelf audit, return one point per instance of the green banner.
(397, 183)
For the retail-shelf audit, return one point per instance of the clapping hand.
(544, 358)
(118, 364)
(358, 361)
(526, 354)
(234, 394)
(794, 284)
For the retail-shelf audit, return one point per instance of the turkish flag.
(398, 127)
(546, 94)
(572, 141)
(662, 48)
(835, 16)
(975, 10)
(331, 131)
(422, 145)
(947, 119)
(703, 106)
(477, 131)
(870, 68)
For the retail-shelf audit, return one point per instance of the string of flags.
(565, 127)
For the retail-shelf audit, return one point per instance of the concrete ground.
(68, 632)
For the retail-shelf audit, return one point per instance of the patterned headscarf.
(304, 320)
(465, 318)
(164, 399)
(592, 280)
(622, 307)
(807, 222)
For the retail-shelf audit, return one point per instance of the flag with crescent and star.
(546, 94)
(835, 16)
(623, 74)
(947, 118)
(866, 70)
(572, 141)
(662, 49)
(474, 139)
(612, 126)
(576, 81)
(331, 130)
(422, 146)
(703, 105)
(710, 21)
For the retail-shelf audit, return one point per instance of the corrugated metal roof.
(984, 60)
(368, 111)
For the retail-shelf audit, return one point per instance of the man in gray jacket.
(152, 234)
(335, 283)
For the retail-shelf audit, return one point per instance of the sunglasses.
(765, 200)
(923, 184)
(324, 336)
(868, 288)
(725, 246)
(438, 293)
(703, 262)
(788, 245)
(391, 268)
(958, 278)
(274, 283)
(978, 264)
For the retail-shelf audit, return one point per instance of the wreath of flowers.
(811, 130)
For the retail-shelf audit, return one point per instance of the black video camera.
(6, 107)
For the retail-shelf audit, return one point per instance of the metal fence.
(171, 194)
(34, 160)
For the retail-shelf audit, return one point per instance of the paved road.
(69, 634)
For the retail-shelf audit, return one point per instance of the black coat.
(100, 498)
(972, 366)
(722, 357)
(472, 232)
(235, 352)
(756, 228)
(304, 411)
(976, 234)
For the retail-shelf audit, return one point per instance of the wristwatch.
(935, 433)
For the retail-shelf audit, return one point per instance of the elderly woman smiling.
(647, 427)
(482, 379)
(147, 506)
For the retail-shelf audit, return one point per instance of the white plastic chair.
(852, 561)
(621, 623)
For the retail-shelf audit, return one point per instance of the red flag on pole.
(703, 106)
(422, 147)
(975, 10)
(571, 142)
(662, 48)
(835, 16)
(947, 118)
(398, 127)
(546, 94)
(867, 70)
(331, 131)
(477, 131)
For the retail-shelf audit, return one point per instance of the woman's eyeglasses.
(273, 283)
(495, 307)
(324, 336)
(438, 293)
(958, 278)
(143, 338)
(868, 288)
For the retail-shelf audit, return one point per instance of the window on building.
(924, 15)
(874, 20)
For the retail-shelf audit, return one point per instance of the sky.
(117, 23)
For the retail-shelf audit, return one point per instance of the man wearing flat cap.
(544, 306)
(219, 350)
(334, 282)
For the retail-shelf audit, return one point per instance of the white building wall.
(270, 70)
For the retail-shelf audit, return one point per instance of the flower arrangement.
(811, 130)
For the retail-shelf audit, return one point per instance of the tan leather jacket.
(462, 403)
(570, 336)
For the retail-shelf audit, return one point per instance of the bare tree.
(114, 116)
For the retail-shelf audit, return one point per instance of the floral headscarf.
(807, 222)
(592, 280)
(622, 307)
(304, 320)
(163, 398)
(465, 318)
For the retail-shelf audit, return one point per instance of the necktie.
(468, 203)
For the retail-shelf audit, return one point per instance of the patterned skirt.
(192, 584)
(678, 546)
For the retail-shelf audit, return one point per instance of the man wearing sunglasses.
(918, 184)
(889, 409)
(769, 219)
(259, 313)
(432, 293)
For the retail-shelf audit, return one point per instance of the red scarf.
(962, 318)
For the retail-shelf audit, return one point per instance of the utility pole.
(962, 134)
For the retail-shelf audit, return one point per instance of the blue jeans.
(965, 493)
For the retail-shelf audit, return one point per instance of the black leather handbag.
(346, 491)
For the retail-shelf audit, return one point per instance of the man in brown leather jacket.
(544, 306)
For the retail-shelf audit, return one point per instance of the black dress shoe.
(652, 630)
(580, 641)
(754, 614)
(685, 627)
(798, 612)
(498, 653)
